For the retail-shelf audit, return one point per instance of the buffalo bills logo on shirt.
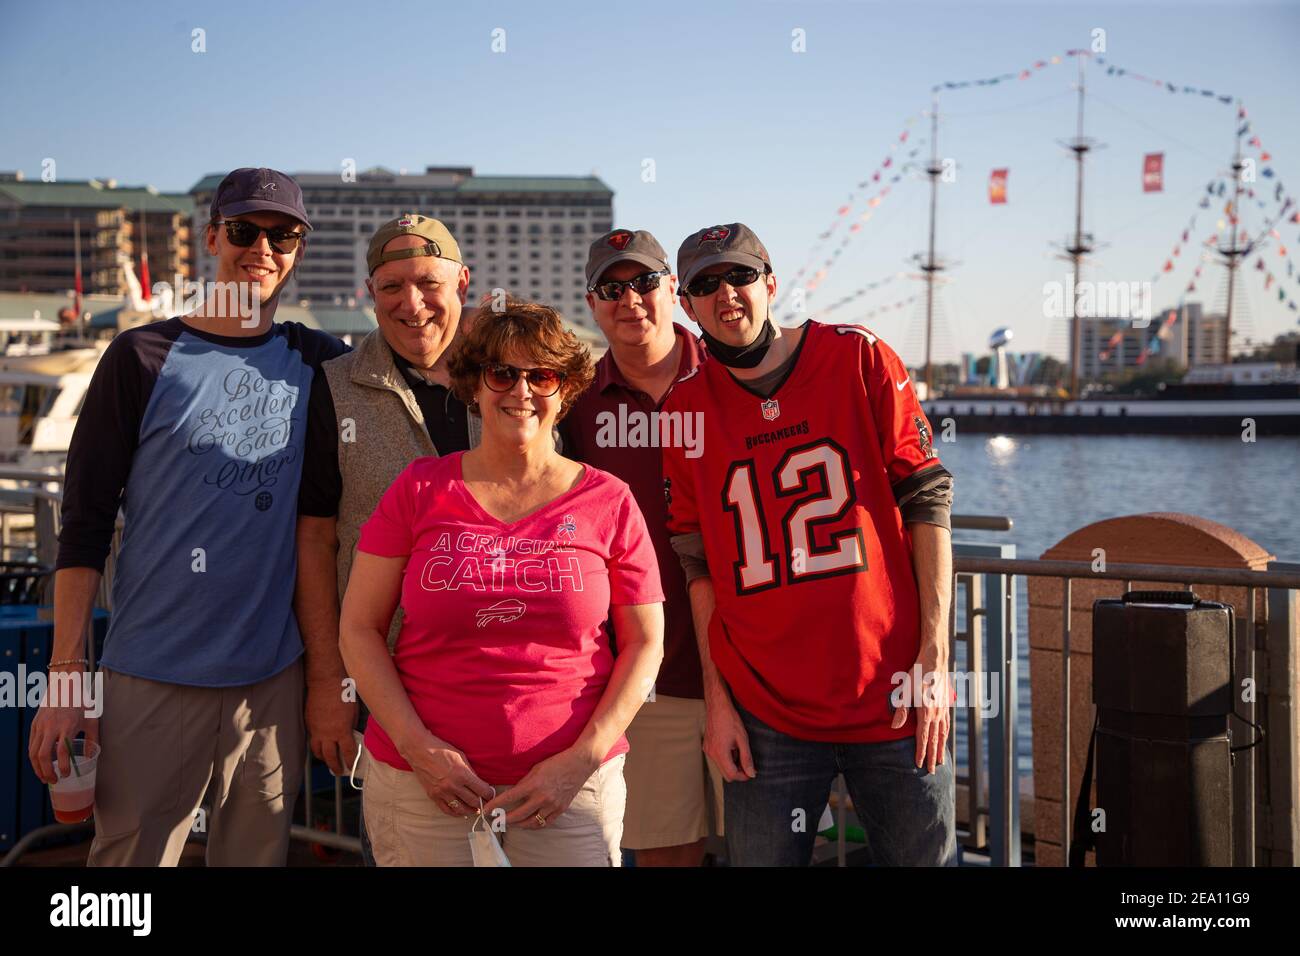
(568, 527)
(716, 234)
(923, 433)
(771, 410)
(503, 611)
(620, 239)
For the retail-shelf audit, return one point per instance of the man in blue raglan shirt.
(194, 427)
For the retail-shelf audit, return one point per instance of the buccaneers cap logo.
(716, 234)
(620, 239)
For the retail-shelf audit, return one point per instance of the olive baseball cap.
(733, 242)
(624, 245)
(440, 242)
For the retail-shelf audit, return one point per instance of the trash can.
(1162, 681)
(22, 582)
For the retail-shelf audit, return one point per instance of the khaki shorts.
(406, 828)
(674, 793)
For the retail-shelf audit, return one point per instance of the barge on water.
(1195, 406)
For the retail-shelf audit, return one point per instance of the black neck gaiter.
(743, 356)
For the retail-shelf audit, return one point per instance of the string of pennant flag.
(879, 310)
(842, 213)
(1119, 71)
(871, 183)
(1184, 238)
(881, 181)
(1216, 188)
(1287, 210)
(1024, 74)
(858, 294)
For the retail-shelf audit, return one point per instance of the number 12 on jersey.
(757, 569)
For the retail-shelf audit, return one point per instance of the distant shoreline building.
(1192, 339)
(39, 221)
(525, 234)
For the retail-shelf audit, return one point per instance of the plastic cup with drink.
(74, 795)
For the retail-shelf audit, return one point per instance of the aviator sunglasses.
(613, 291)
(544, 382)
(737, 277)
(243, 234)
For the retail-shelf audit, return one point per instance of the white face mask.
(483, 844)
(359, 765)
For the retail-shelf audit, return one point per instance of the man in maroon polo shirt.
(674, 794)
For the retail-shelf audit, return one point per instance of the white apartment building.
(1192, 339)
(525, 234)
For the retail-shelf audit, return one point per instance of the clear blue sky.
(738, 125)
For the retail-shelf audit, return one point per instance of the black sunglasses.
(613, 291)
(544, 382)
(242, 233)
(737, 277)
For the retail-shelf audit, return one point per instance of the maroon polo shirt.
(642, 469)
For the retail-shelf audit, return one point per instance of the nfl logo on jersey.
(771, 410)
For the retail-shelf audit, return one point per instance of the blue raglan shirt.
(199, 438)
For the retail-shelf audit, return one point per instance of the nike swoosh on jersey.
(900, 385)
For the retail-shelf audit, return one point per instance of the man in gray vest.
(372, 412)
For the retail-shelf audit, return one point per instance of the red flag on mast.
(76, 279)
(1153, 173)
(146, 291)
(998, 186)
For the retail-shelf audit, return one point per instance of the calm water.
(1052, 485)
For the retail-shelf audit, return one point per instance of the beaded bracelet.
(70, 660)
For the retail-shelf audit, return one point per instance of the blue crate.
(27, 640)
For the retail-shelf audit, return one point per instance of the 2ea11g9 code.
(1174, 896)
(1219, 897)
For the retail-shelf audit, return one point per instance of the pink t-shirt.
(503, 649)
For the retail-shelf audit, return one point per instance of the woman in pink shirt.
(502, 692)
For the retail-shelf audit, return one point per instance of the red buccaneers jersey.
(796, 498)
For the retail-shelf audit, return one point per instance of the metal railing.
(987, 633)
(984, 584)
(1002, 803)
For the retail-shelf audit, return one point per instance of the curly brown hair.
(528, 328)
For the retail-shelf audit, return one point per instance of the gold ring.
(540, 819)
(454, 803)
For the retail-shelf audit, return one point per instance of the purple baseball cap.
(251, 189)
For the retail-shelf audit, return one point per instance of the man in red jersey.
(814, 531)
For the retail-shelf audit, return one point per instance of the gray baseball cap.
(733, 242)
(624, 245)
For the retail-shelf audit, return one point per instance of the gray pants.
(164, 745)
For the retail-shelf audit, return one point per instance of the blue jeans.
(907, 813)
